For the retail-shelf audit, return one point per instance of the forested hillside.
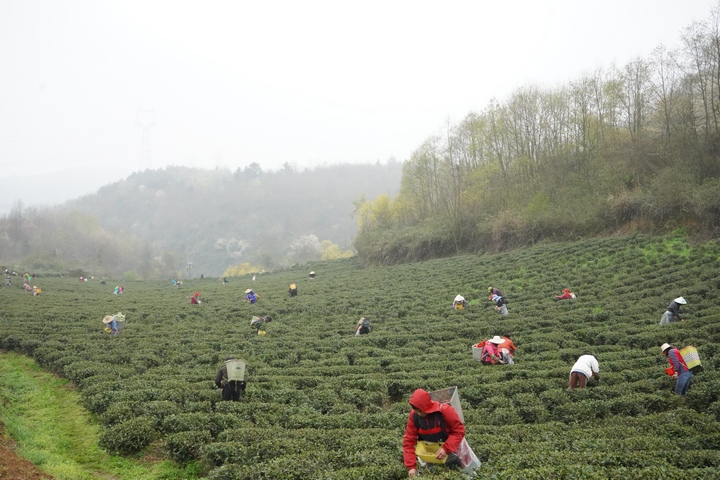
(324, 403)
(157, 223)
(632, 147)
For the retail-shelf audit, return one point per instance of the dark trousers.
(231, 391)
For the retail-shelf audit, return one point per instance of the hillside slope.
(322, 403)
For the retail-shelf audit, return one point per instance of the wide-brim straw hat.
(248, 290)
(107, 319)
(680, 300)
(496, 340)
(664, 347)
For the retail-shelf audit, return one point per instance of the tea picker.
(565, 295)
(259, 324)
(113, 322)
(230, 377)
(362, 327)
(459, 303)
(682, 363)
(435, 434)
(672, 314)
(195, 299)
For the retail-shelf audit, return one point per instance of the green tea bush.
(323, 403)
(184, 447)
(128, 437)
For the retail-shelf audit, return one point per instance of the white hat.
(680, 300)
(459, 298)
(664, 347)
(496, 340)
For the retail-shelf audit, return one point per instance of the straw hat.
(680, 300)
(107, 319)
(496, 340)
(248, 290)
(664, 347)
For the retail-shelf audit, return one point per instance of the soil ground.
(13, 467)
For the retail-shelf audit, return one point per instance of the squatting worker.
(432, 421)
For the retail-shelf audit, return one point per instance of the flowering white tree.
(305, 248)
(234, 247)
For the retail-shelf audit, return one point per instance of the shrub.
(184, 447)
(128, 437)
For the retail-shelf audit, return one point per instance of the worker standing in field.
(681, 373)
(431, 421)
(362, 327)
(672, 314)
(585, 368)
(230, 377)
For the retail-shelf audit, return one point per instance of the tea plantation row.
(322, 403)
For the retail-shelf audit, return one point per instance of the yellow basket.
(691, 357)
(426, 451)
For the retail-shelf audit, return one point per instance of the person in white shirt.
(585, 368)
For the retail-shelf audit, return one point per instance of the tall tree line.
(620, 148)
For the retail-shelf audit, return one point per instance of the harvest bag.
(691, 357)
(235, 370)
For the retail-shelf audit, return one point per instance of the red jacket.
(507, 343)
(441, 421)
(566, 294)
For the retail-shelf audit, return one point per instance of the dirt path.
(13, 467)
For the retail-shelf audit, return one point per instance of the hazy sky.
(227, 83)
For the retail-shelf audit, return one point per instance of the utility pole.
(189, 269)
(145, 120)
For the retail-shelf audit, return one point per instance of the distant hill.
(217, 218)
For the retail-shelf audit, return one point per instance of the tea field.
(322, 403)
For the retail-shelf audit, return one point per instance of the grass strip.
(42, 413)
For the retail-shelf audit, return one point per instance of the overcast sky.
(228, 83)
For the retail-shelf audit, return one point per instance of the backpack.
(365, 326)
(691, 358)
(235, 370)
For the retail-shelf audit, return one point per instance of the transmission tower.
(145, 120)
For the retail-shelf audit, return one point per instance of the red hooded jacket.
(441, 421)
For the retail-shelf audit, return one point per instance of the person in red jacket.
(432, 421)
(195, 299)
(565, 295)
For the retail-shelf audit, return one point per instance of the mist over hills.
(215, 218)
(157, 223)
